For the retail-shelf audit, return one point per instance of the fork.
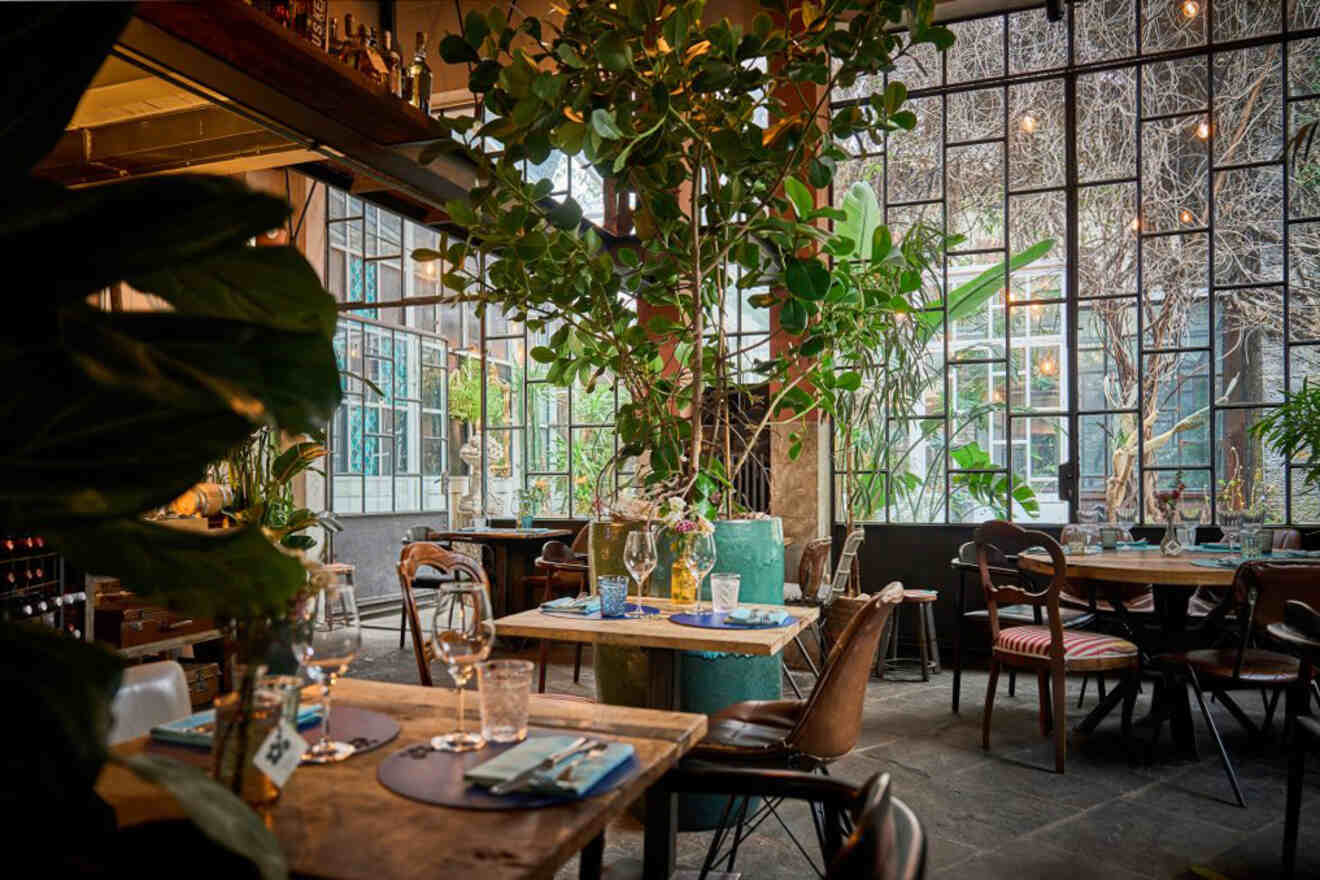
(566, 772)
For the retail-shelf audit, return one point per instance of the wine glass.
(701, 559)
(640, 558)
(1127, 516)
(463, 633)
(327, 635)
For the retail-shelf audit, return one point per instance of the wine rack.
(35, 587)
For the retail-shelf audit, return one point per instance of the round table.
(1174, 579)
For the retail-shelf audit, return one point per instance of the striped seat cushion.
(1078, 644)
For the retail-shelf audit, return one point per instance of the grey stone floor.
(1005, 813)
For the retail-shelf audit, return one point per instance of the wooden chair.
(799, 734)
(1206, 599)
(1260, 593)
(882, 839)
(811, 575)
(565, 572)
(1003, 565)
(1048, 649)
(413, 557)
(436, 581)
(1299, 629)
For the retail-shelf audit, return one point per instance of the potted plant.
(1292, 429)
(115, 414)
(465, 391)
(530, 501)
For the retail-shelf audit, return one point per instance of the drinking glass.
(1249, 536)
(724, 591)
(1126, 515)
(639, 558)
(327, 635)
(504, 691)
(613, 593)
(701, 559)
(463, 632)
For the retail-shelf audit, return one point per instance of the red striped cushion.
(1078, 644)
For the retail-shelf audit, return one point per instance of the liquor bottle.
(419, 72)
(395, 65)
(375, 66)
(332, 39)
(346, 45)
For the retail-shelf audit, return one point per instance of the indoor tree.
(715, 134)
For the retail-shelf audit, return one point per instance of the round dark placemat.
(363, 729)
(423, 774)
(647, 611)
(717, 620)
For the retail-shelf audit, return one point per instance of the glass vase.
(1169, 544)
(682, 584)
(244, 718)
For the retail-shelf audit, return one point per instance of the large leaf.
(862, 215)
(968, 298)
(237, 573)
(61, 689)
(216, 811)
(105, 234)
(49, 52)
(272, 286)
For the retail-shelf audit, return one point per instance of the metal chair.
(869, 834)
(1300, 629)
(1049, 650)
(413, 557)
(149, 694)
(799, 734)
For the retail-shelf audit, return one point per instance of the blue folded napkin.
(1139, 544)
(1217, 547)
(573, 605)
(1226, 562)
(758, 616)
(1296, 554)
(198, 728)
(582, 776)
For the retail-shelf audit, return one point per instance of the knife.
(581, 744)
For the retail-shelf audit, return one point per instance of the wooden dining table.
(514, 549)
(661, 639)
(337, 821)
(1173, 580)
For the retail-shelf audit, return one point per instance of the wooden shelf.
(183, 641)
(245, 38)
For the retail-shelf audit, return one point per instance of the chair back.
(416, 533)
(581, 541)
(149, 694)
(887, 842)
(831, 721)
(811, 570)
(413, 557)
(994, 537)
(843, 570)
(1287, 539)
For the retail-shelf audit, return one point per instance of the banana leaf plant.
(110, 415)
(895, 367)
(720, 133)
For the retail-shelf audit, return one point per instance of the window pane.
(1174, 281)
(1243, 457)
(915, 170)
(1249, 345)
(1175, 86)
(916, 456)
(1248, 116)
(1035, 42)
(1107, 235)
(981, 50)
(976, 115)
(1303, 170)
(1107, 446)
(1106, 124)
(1105, 29)
(1246, 18)
(1166, 25)
(1304, 272)
(1035, 136)
(593, 449)
(1249, 225)
(976, 194)
(1046, 442)
(1107, 364)
(1180, 432)
(1174, 163)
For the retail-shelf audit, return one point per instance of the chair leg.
(1129, 684)
(577, 663)
(989, 703)
(544, 660)
(1100, 685)
(737, 834)
(1060, 716)
(1081, 698)
(403, 622)
(1298, 701)
(1223, 752)
(885, 636)
(1012, 682)
(922, 648)
(1043, 691)
(1268, 726)
(932, 637)
(792, 682)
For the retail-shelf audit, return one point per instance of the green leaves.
(798, 193)
(807, 279)
(566, 215)
(612, 50)
(603, 124)
(456, 50)
(215, 810)
(862, 215)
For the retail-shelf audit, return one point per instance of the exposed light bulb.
(1135, 225)
(1048, 366)
(1185, 216)
(1203, 130)
(1027, 123)
(1190, 8)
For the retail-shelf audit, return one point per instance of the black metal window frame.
(1068, 74)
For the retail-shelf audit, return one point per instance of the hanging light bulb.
(1135, 225)
(1048, 365)
(1186, 216)
(1190, 8)
(1027, 123)
(1203, 130)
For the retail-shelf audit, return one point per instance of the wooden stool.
(927, 643)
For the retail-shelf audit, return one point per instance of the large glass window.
(1179, 301)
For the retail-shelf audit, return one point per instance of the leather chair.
(1259, 596)
(1206, 599)
(1049, 650)
(148, 695)
(811, 575)
(564, 572)
(801, 734)
(882, 839)
(1300, 630)
(413, 557)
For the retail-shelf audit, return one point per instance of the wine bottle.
(394, 63)
(419, 72)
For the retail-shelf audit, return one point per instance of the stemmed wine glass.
(701, 559)
(640, 558)
(463, 633)
(327, 635)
